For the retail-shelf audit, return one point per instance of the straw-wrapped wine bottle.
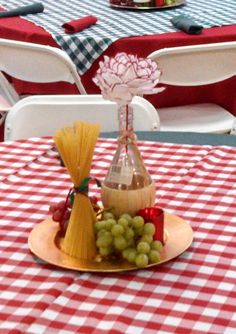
(128, 186)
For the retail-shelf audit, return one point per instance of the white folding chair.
(42, 115)
(194, 66)
(33, 63)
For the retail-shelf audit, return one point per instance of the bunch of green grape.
(130, 238)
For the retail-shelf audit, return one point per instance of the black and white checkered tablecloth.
(86, 46)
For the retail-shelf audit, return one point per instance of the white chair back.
(38, 116)
(194, 66)
(33, 63)
(37, 63)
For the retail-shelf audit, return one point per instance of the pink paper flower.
(124, 76)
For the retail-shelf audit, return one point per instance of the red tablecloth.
(221, 93)
(194, 293)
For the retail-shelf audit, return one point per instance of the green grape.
(132, 254)
(117, 230)
(123, 222)
(149, 228)
(157, 245)
(104, 240)
(129, 234)
(107, 215)
(137, 222)
(138, 232)
(105, 251)
(154, 256)
(143, 247)
(147, 238)
(110, 223)
(126, 216)
(99, 225)
(120, 243)
(130, 243)
(125, 253)
(131, 238)
(141, 260)
(101, 232)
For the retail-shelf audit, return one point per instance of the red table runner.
(194, 293)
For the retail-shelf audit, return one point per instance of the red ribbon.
(155, 216)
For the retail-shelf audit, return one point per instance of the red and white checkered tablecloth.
(194, 293)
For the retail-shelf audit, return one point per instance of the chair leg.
(233, 129)
(2, 117)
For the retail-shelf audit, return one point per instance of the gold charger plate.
(176, 4)
(43, 241)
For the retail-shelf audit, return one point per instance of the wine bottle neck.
(126, 130)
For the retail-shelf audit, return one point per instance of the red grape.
(52, 208)
(57, 215)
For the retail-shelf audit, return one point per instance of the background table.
(194, 293)
(192, 138)
(221, 93)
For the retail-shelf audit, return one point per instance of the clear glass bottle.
(128, 186)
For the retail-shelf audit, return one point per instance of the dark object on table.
(125, 3)
(186, 24)
(24, 10)
(79, 24)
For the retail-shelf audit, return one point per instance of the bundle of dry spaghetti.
(76, 146)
